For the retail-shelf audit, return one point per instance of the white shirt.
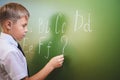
(13, 64)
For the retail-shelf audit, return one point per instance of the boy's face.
(19, 29)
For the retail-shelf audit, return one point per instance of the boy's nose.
(26, 30)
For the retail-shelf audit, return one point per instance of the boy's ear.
(8, 24)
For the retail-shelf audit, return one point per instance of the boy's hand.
(56, 61)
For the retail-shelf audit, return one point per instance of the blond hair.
(12, 11)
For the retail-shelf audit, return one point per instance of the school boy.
(13, 21)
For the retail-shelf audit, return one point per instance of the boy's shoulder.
(6, 48)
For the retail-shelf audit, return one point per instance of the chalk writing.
(64, 39)
(80, 22)
(80, 19)
(24, 42)
(29, 47)
(48, 47)
(42, 23)
(57, 31)
(40, 43)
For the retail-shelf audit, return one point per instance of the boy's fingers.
(61, 55)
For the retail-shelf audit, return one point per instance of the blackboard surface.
(87, 32)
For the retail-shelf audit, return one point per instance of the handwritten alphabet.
(80, 23)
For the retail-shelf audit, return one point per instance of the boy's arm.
(55, 62)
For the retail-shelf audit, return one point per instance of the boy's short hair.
(12, 11)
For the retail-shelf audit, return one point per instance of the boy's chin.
(20, 39)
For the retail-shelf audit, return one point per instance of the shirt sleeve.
(15, 65)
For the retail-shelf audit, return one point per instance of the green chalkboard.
(87, 32)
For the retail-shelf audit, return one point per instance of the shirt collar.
(8, 38)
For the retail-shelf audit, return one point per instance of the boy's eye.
(24, 25)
